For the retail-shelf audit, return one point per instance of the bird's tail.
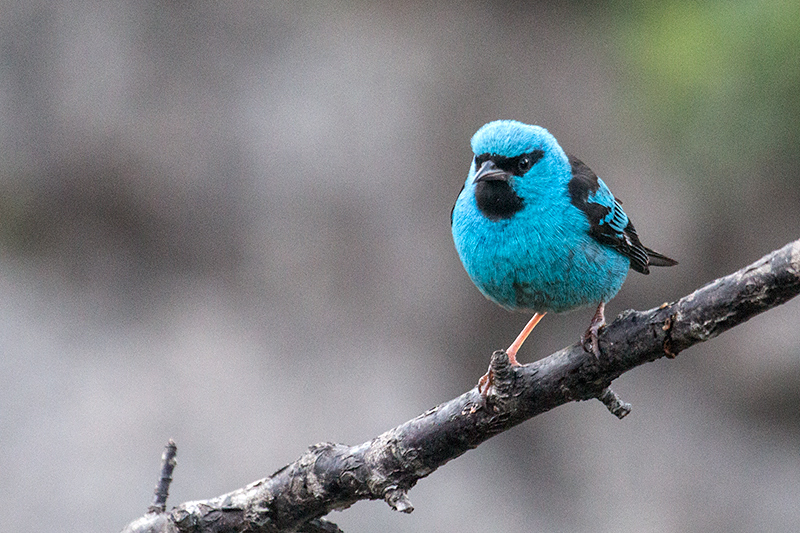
(659, 260)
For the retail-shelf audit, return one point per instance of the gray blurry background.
(229, 225)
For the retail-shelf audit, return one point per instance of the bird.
(539, 232)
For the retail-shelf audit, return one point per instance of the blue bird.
(538, 231)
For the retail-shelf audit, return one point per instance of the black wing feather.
(609, 224)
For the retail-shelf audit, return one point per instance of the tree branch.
(334, 476)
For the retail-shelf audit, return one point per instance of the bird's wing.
(609, 224)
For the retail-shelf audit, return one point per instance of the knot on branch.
(397, 499)
(669, 350)
(501, 381)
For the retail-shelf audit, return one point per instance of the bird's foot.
(485, 383)
(590, 342)
(589, 338)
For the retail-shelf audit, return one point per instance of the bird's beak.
(490, 172)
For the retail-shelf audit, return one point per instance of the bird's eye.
(525, 163)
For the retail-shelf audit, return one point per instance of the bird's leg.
(515, 346)
(598, 321)
(486, 380)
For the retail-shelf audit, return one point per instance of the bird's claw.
(485, 383)
(590, 337)
(590, 342)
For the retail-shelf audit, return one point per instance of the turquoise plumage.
(538, 231)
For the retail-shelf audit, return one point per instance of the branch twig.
(334, 476)
(161, 493)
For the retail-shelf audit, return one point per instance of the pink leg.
(515, 346)
(486, 380)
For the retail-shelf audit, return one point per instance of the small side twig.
(614, 403)
(161, 493)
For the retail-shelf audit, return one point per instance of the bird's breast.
(533, 260)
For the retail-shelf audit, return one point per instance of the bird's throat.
(497, 200)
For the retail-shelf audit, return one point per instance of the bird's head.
(515, 164)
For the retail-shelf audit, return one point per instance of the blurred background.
(229, 224)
